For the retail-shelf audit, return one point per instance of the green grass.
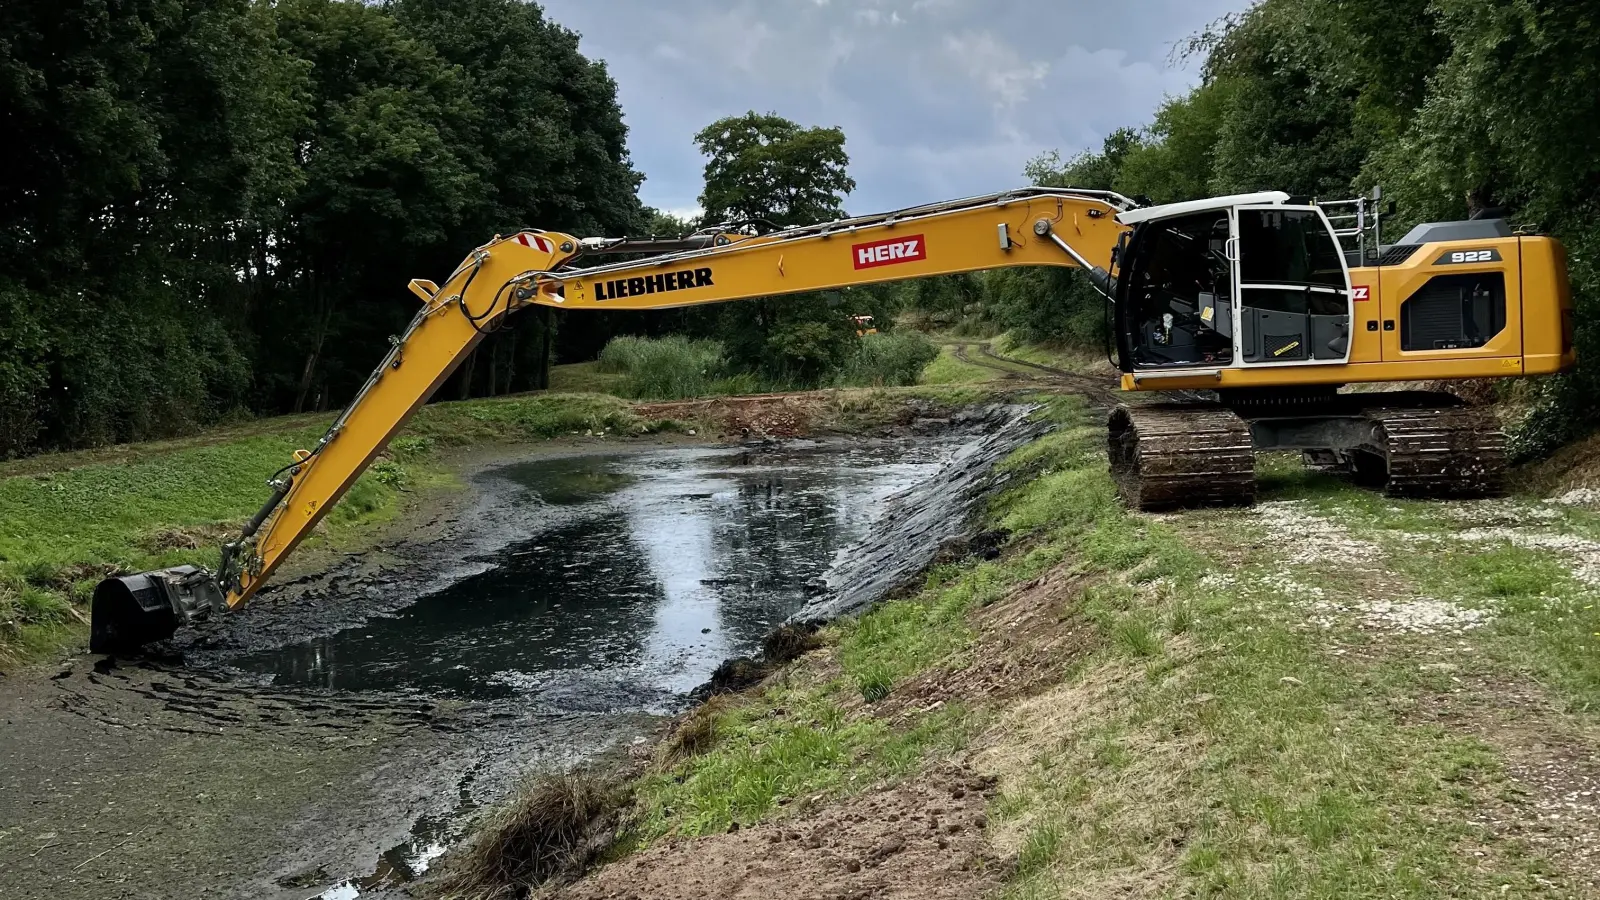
(67, 521)
(1281, 771)
(585, 378)
(1545, 621)
(947, 368)
(785, 745)
(1062, 356)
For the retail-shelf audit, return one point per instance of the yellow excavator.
(1252, 310)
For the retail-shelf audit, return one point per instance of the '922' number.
(1457, 257)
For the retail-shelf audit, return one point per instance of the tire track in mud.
(1100, 391)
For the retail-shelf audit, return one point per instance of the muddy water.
(334, 739)
(654, 568)
(623, 581)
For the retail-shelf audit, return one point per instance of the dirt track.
(1099, 390)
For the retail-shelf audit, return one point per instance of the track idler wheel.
(1176, 456)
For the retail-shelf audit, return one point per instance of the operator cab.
(1247, 280)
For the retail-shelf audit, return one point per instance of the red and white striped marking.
(536, 242)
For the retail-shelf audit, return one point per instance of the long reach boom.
(1028, 227)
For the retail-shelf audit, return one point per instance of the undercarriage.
(1410, 443)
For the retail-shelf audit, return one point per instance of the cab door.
(1292, 294)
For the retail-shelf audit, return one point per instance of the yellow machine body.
(1536, 337)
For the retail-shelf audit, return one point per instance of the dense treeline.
(209, 206)
(1453, 106)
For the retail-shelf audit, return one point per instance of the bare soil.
(919, 840)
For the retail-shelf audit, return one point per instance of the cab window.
(1288, 246)
(1179, 299)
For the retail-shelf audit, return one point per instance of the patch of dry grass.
(789, 642)
(696, 733)
(556, 827)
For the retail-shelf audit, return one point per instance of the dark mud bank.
(939, 514)
(458, 541)
(939, 517)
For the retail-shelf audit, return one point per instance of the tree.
(768, 170)
(386, 178)
(150, 136)
(215, 204)
(551, 147)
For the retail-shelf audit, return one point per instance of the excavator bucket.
(130, 611)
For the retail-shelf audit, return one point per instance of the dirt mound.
(921, 840)
(754, 417)
(1024, 642)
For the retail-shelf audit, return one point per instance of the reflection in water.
(662, 564)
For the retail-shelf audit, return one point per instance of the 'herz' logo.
(889, 252)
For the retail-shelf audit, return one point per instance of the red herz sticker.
(1360, 292)
(889, 252)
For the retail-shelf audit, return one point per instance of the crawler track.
(1167, 456)
(1450, 452)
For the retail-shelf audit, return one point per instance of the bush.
(408, 447)
(389, 472)
(667, 368)
(889, 359)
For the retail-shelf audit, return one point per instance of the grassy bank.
(675, 367)
(1258, 703)
(68, 520)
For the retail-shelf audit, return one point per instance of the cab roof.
(1165, 210)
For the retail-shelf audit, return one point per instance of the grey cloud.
(938, 98)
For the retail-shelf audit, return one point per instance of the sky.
(938, 99)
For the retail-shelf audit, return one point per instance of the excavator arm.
(1029, 227)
